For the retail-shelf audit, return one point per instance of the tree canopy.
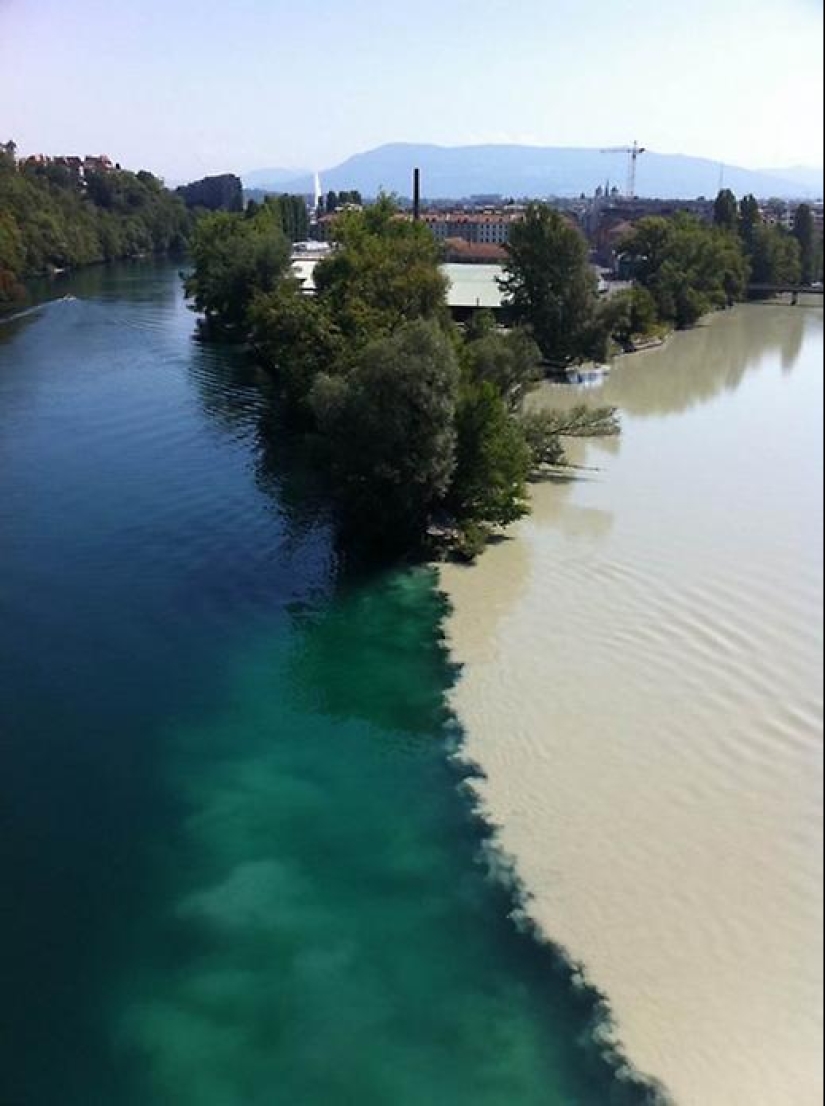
(415, 422)
(391, 426)
(686, 266)
(219, 193)
(511, 362)
(235, 259)
(750, 218)
(726, 210)
(493, 458)
(683, 268)
(549, 284)
(383, 273)
(804, 232)
(289, 211)
(774, 256)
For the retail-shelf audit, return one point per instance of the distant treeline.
(327, 205)
(225, 193)
(290, 212)
(52, 217)
(219, 193)
(775, 254)
(335, 201)
(682, 268)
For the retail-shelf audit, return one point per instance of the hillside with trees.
(52, 218)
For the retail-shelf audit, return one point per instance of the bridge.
(795, 290)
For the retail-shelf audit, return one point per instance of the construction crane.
(632, 153)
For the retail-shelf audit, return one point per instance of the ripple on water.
(649, 714)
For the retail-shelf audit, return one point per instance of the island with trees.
(420, 427)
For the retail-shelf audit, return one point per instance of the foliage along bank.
(51, 218)
(420, 427)
(686, 268)
(681, 269)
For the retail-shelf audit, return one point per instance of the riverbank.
(641, 688)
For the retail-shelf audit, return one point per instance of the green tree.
(545, 430)
(295, 340)
(642, 311)
(817, 258)
(610, 326)
(101, 189)
(291, 213)
(383, 274)
(235, 259)
(726, 210)
(220, 193)
(391, 427)
(12, 252)
(62, 222)
(804, 233)
(510, 362)
(750, 218)
(549, 283)
(481, 323)
(11, 261)
(774, 256)
(686, 266)
(489, 485)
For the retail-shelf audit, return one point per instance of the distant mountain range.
(800, 174)
(540, 171)
(272, 178)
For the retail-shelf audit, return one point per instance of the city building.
(79, 166)
(482, 227)
(779, 213)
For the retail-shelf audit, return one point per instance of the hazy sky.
(188, 87)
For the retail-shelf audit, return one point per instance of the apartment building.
(478, 227)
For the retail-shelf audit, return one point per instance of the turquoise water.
(238, 863)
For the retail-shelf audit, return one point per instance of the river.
(642, 689)
(239, 864)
